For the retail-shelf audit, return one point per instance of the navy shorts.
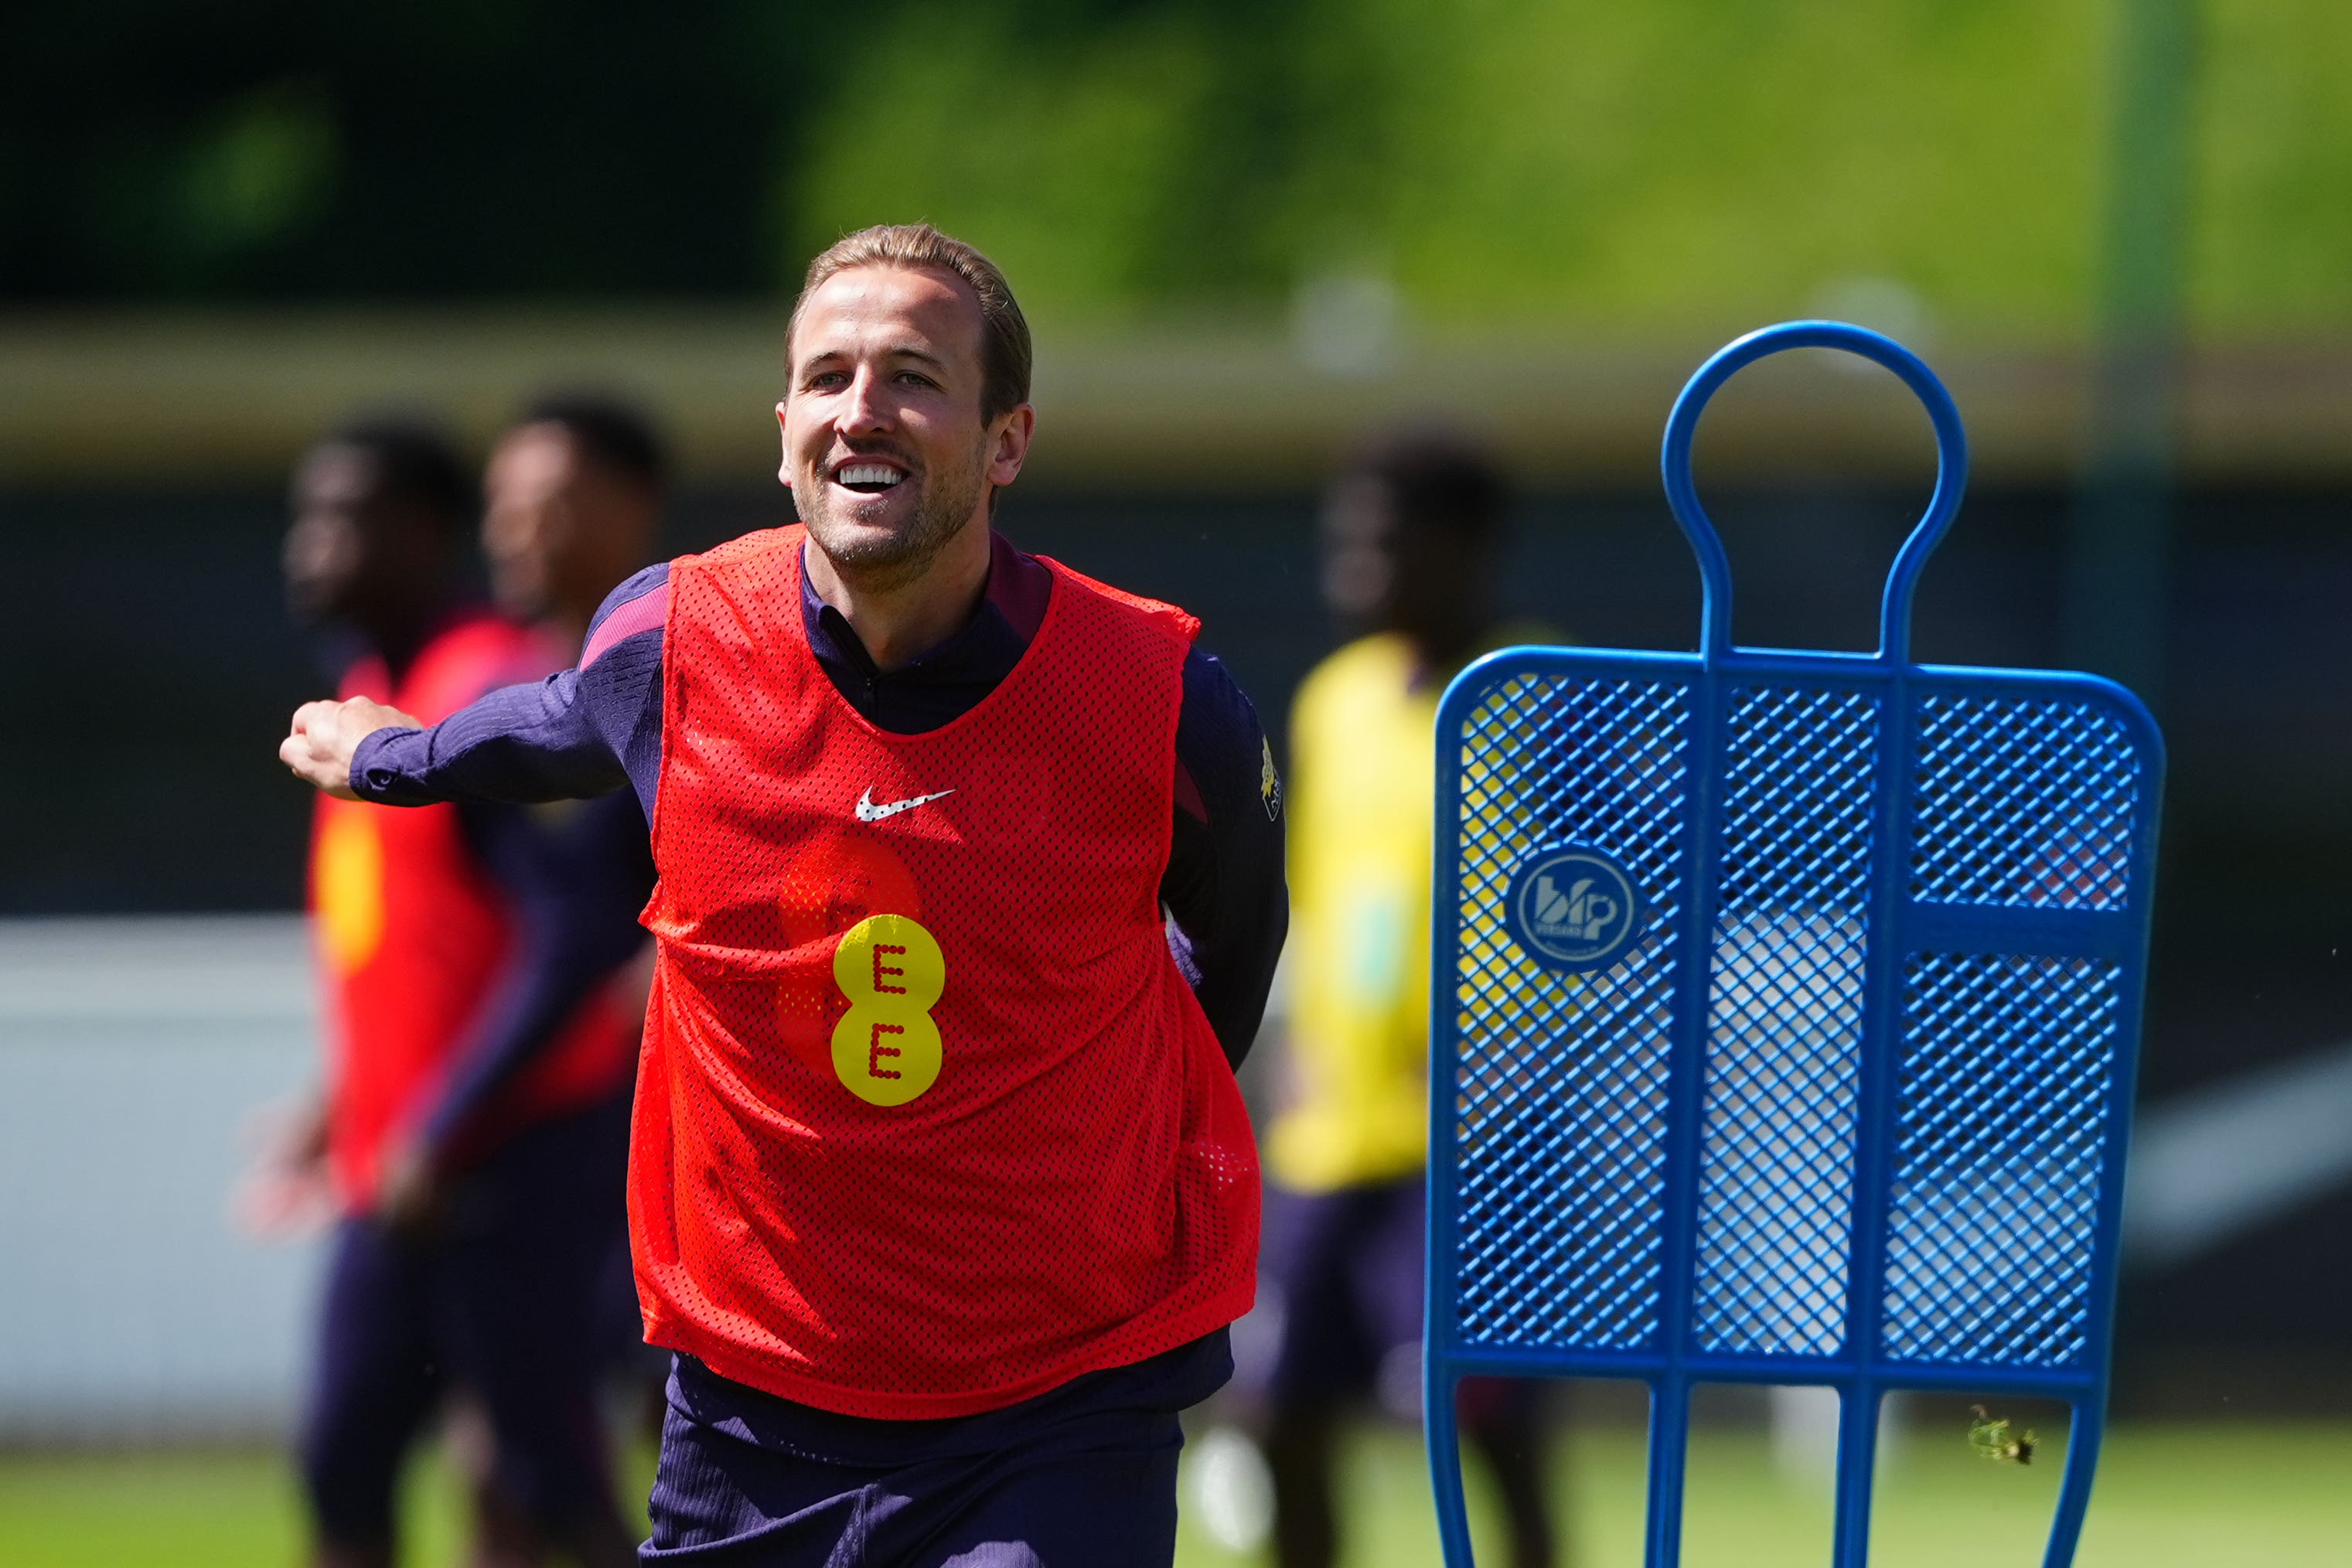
(511, 1299)
(1081, 1477)
(1339, 1298)
(1340, 1289)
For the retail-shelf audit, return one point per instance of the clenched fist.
(325, 734)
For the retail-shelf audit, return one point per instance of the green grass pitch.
(2203, 1497)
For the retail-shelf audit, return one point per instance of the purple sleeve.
(576, 878)
(579, 733)
(1224, 888)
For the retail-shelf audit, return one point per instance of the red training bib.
(928, 1120)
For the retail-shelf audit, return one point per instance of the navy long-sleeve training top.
(575, 879)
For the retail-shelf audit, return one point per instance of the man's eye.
(826, 380)
(914, 378)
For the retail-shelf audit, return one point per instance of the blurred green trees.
(1609, 169)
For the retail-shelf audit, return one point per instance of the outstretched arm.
(579, 733)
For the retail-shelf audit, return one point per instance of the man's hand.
(287, 1194)
(325, 734)
(412, 1190)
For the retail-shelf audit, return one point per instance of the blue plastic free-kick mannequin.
(1786, 1013)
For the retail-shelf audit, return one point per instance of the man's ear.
(1010, 447)
(784, 465)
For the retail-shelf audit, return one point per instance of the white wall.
(134, 1055)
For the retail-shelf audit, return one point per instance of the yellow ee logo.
(885, 1049)
(347, 885)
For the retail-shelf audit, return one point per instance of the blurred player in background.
(482, 1029)
(941, 1188)
(572, 502)
(1410, 534)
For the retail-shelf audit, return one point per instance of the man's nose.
(867, 410)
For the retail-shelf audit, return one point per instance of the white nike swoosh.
(870, 811)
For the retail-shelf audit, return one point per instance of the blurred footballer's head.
(1408, 531)
(908, 406)
(571, 503)
(379, 506)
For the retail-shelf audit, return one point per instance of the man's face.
(557, 527)
(1386, 571)
(1359, 551)
(335, 543)
(885, 449)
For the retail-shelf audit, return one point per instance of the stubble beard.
(882, 561)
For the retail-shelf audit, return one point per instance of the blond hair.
(1005, 351)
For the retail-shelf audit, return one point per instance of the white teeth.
(868, 474)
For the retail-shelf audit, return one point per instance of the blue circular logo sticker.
(1573, 908)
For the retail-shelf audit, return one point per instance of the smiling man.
(940, 1187)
